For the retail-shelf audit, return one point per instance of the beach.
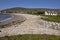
(31, 25)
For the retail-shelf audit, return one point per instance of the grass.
(31, 37)
(51, 18)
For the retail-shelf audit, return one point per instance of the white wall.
(46, 13)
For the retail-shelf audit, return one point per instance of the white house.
(51, 12)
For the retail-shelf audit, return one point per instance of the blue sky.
(29, 3)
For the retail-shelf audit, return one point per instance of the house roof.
(53, 10)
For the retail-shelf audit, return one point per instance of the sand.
(32, 25)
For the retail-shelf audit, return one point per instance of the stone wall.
(52, 25)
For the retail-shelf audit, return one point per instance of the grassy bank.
(51, 18)
(31, 37)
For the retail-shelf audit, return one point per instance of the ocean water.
(4, 16)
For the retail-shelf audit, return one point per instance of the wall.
(52, 25)
(50, 13)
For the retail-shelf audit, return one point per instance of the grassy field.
(31, 37)
(51, 18)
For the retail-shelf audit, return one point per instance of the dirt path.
(32, 25)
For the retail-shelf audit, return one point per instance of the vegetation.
(31, 37)
(51, 18)
(25, 10)
(35, 13)
(21, 9)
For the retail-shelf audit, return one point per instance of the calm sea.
(4, 16)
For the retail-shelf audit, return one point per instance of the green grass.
(51, 18)
(31, 37)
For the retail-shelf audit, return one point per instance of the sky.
(4, 4)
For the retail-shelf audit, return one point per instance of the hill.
(25, 10)
(20, 9)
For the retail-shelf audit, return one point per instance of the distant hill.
(13, 10)
(20, 9)
(25, 10)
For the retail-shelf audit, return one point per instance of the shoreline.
(6, 21)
